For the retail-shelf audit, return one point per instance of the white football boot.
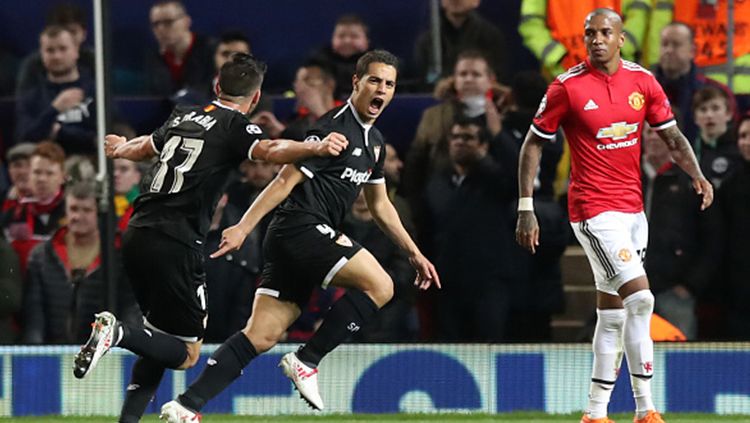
(174, 412)
(305, 379)
(103, 337)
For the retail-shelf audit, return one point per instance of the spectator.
(11, 287)
(19, 171)
(714, 146)
(66, 284)
(34, 219)
(527, 90)
(708, 23)
(230, 43)
(552, 29)
(314, 87)
(60, 107)
(72, 17)
(232, 278)
(734, 204)
(349, 41)
(470, 224)
(463, 94)
(461, 28)
(678, 75)
(184, 65)
(684, 249)
(127, 180)
(531, 314)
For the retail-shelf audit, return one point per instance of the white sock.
(639, 348)
(607, 347)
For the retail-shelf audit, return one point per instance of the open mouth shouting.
(376, 105)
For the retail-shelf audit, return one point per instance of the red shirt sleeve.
(552, 109)
(658, 110)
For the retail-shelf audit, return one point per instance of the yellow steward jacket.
(553, 30)
(708, 19)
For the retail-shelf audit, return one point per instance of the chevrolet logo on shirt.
(617, 131)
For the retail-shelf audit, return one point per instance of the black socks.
(144, 381)
(224, 366)
(166, 350)
(346, 316)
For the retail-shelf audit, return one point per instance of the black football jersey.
(334, 182)
(198, 148)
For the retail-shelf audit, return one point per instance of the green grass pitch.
(412, 418)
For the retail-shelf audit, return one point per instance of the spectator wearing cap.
(19, 170)
(35, 218)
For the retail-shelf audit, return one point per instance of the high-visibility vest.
(709, 23)
(565, 20)
(553, 30)
(663, 330)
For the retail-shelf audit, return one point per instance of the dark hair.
(683, 25)
(65, 14)
(480, 122)
(352, 19)
(375, 56)
(528, 88)
(53, 31)
(50, 151)
(233, 36)
(326, 69)
(178, 3)
(473, 54)
(82, 190)
(241, 75)
(743, 118)
(710, 92)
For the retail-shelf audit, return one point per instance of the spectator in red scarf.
(34, 219)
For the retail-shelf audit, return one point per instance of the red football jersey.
(602, 117)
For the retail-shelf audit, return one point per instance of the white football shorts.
(615, 244)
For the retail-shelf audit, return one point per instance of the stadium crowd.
(455, 184)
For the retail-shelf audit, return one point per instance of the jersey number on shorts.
(191, 146)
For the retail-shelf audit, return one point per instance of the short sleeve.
(658, 110)
(158, 136)
(378, 176)
(552, 109)
(312, 165)
(244, 137)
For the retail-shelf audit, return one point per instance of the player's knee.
(262, 341)
(381, 290)
(639, 303)
(191, 360)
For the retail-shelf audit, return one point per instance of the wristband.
(526, 204)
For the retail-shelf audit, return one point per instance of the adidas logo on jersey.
(590, 105)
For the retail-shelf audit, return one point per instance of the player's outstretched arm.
(527, 228)
(387, 218)
(682, 153)
(138, 149)
(288, 151)
(233, 236)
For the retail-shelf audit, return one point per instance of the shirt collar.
(365, 126)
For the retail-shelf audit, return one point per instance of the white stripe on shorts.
(335, 269)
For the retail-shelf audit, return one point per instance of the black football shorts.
(298, 259)
(169, 282)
